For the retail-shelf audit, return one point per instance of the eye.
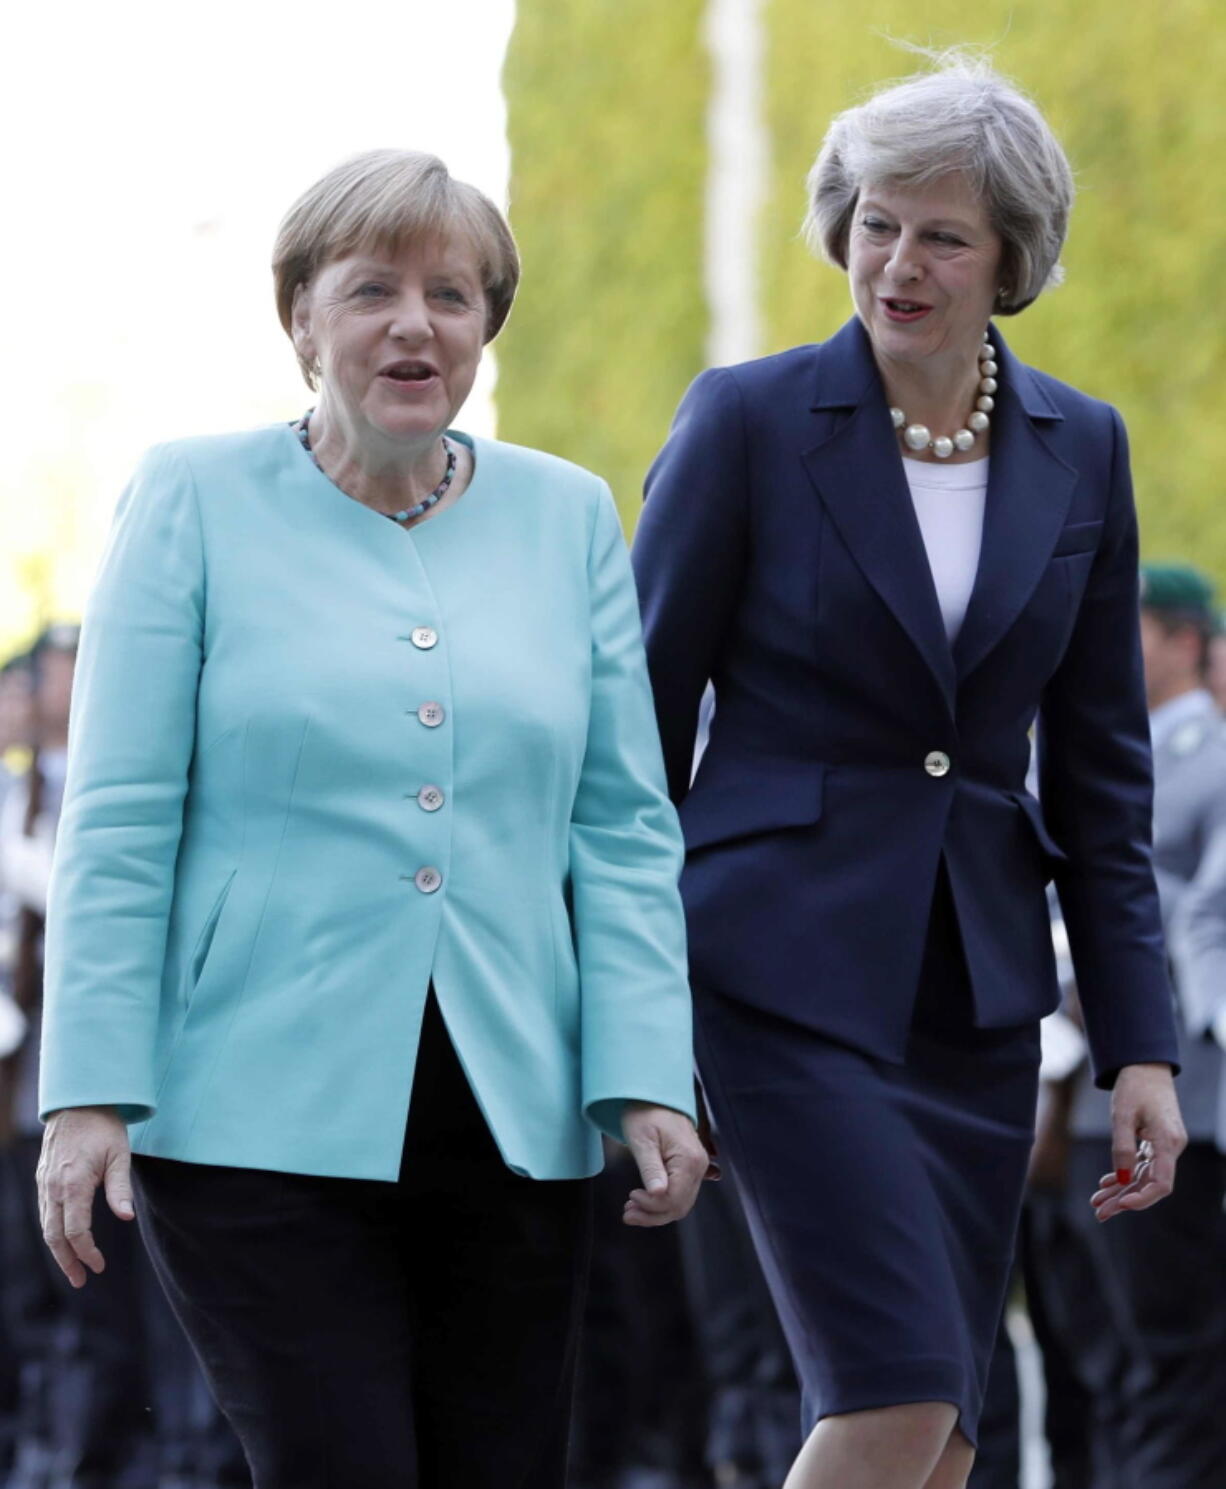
(452, 295)
(371, 290)
(948, 240)
(874, 225)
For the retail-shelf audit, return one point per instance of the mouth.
(904, 311)
(409, 371)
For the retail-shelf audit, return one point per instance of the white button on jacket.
(234, 955)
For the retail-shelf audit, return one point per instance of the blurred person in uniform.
(14, 739)
(1140, 1307)
(110, 1396)
(33, 1299)
(1215, 674)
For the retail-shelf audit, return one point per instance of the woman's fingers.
(66, 1230)
(1153, 1178)
(1147, 1137)
(83, 1148)
(119, 1185)
(671, 1161)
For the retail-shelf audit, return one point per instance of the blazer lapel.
(1029, 491)
(858, 473)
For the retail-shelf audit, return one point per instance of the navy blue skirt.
(883, 1199)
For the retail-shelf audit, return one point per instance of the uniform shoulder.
(1199, 745)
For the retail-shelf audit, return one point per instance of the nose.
(411, 323)
(905, 264)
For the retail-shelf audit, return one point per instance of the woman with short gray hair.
(889, 552)
(364, 924)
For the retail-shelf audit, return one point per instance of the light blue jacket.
(286, 709)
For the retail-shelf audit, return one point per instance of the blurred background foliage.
(609, 158)
(606, 103)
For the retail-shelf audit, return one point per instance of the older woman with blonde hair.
(889, 552)
(364, 922)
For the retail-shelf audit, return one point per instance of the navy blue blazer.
(779, 557)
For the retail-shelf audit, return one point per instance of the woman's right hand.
(84, 1147)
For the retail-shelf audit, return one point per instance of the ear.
(300, 325)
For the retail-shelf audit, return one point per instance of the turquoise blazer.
(318, 762)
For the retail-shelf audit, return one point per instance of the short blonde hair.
(961, 116)
(387, 199)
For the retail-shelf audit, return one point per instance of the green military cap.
(1178, 587)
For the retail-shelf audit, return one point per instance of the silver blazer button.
(424, 637)
(427, 880)
(937, 763)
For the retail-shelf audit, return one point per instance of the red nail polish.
(1124, 1175)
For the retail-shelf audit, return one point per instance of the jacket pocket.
(719, 811)
(1033, 814)
(1078, 537)
(204, 941)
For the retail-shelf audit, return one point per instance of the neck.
(940, 394)
(381, 473)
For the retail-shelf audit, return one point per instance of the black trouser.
(416, 1335)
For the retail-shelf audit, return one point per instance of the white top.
(949, 503)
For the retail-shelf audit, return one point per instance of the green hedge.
(606, 103)
(1135, 92)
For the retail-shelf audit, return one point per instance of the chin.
(404, 423)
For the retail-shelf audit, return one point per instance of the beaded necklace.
(301, 429)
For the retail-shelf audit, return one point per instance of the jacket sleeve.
(131, 738)
(689, 558)
(625, 860)
(1198, 930)
(1096, 785)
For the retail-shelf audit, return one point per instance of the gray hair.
(389, 199)
(960, 117)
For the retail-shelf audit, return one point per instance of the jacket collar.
(858, 472)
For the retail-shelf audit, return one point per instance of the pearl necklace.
(919, 436)
(300, 428)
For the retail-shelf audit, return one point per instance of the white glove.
(13, 1025)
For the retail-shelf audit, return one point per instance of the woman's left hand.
(1147, 1137)
(672, 1163)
